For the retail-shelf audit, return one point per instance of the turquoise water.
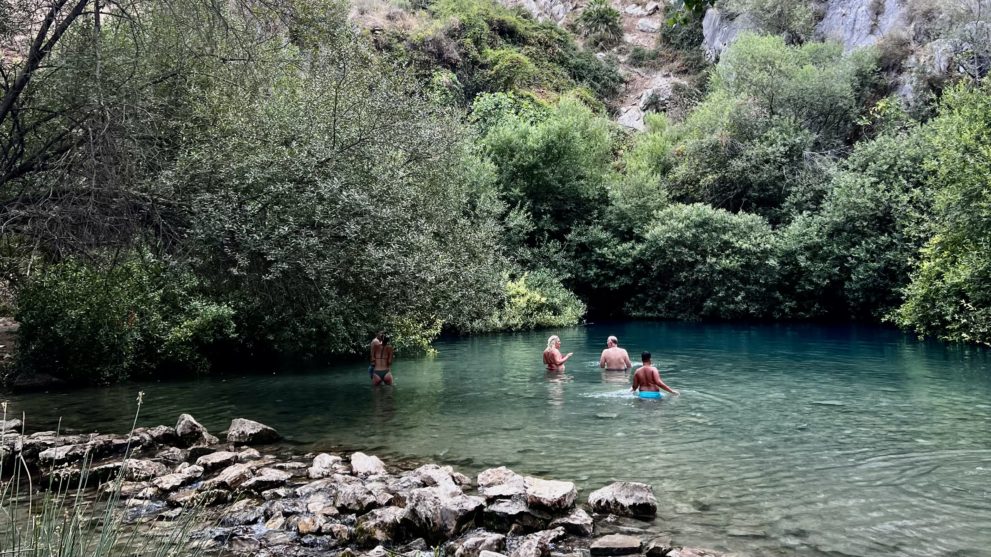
(786, 440)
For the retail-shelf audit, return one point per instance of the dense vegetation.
(198, 183)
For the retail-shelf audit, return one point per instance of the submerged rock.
(249, 432)
(616, 544)
(624, 498)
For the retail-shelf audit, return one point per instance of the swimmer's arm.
(657, 378)
(602, 359)
(636, 383)
(626, 360)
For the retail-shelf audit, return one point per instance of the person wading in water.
(552, 355)
(382, 356)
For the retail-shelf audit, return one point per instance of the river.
(786, 440)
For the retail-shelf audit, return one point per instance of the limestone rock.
(719, 31)
(434, 475)
(693, 552)
(498, 476)
(323, 466)
(231, 477)
(10, 426)
(214, 461)
(364, 465)
(646, 25)
(652, 8)
(860, 23)
(248, 454)
(624, 498)
(189, 431)
(578, 523)
(309, 525)
(514, 514)
(491, 554)
(538, 544)
(380, 525)
(172, 455)
(474, 544)
(632, 118)
(266, 478)
(143, 470)
(163, 435)
(634, 10)
(249, 432)
(550, 494)
(355, 497)
(172, 482)
(436, 514)
(615, 544)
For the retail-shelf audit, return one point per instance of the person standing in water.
(376, 342)
(382, 363)
(552, 354)
(647, 380)
(613, 357)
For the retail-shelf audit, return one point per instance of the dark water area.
(787, 439)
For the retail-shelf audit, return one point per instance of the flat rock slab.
(214, 461)
(616, 544)
(550, 494)
(625, 499)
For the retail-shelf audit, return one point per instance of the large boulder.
(248, 432)
(364, 465)
(624, 498)
(615, 544)
(433, 475)
(550, 494)
(190, 432)
(11, 426)
(437, 514)
(323, 466)
(501, 483)
(354, 497)
(720, 30)
(514, 514)
(379, 526)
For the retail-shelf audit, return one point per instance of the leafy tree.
(554, 167)
(337, 200)
(852, 258)
(793, 20)
(950, 293)
(533, 300)
(701, 262)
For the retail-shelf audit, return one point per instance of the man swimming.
(648, 380)
(613, 357)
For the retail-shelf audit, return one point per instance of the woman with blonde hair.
(552, 354)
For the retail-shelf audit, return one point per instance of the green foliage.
(700, 262)
(600, 24)
(751, 145)
(87, 325)
(683, 34)
(492, 48)
(553, 166)
(852, 258)
(533, 300)
(339, 201)
(600, 264)
(950, 293)
(793, 20)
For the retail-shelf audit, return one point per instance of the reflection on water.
(786, 440)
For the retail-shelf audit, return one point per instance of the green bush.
(793, 20)
(699, 262)
(534, 300)
(600, 24)
(90, 325)
(553, 166)
(950, 293)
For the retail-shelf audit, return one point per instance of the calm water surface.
(787, 440)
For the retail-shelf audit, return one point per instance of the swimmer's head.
(612, 341)
(551, 341)
(645, 357)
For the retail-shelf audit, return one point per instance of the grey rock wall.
(859, 23)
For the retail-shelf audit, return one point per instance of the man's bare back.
(647, 379)
(614, 358)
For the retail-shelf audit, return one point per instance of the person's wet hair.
(385, 339)
(645, 356)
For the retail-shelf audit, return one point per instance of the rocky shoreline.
(249, 502)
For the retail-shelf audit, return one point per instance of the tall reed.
(67, 521)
